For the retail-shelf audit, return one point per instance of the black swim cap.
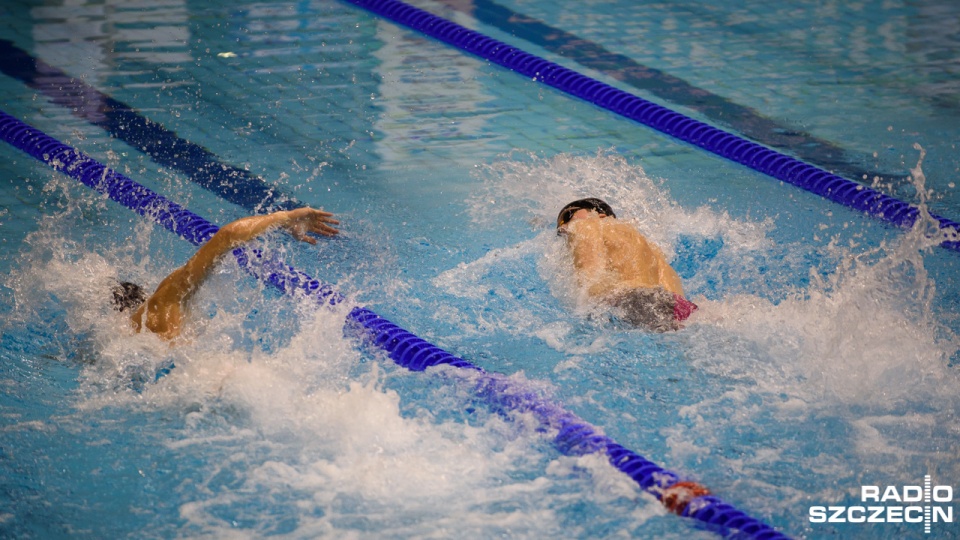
(127, 295)
(583, 204)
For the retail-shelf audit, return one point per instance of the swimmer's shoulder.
(614, 230)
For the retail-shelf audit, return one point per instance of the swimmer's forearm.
(236, 233)
(298, 223)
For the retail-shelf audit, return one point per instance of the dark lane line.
(745, 120)
(124, 123)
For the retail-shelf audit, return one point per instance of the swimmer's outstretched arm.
(162, 313)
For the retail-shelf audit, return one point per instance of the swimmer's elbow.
(158, 317)
(164, 331)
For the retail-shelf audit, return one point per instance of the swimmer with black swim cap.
(127, 295)
(591, 203)
(618, 266)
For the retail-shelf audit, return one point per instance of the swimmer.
(163, 311)
(618, 266)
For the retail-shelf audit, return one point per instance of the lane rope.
(574, 435)
(727, 145)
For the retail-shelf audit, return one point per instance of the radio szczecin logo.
(927, 504)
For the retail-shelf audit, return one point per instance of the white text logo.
(927, 504)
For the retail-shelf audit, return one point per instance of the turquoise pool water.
(823, 358)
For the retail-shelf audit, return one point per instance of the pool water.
(823, 358)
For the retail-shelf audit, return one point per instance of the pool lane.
(126, 124)
(675, 90)
(573, 436)
(731, 146)
(240, 187)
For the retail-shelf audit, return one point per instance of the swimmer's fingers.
(314, 218)
(323, 222)
(303, 237)
(309, 220)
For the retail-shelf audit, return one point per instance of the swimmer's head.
(128, 295)
(591, 203)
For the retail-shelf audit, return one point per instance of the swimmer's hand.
(302, 222)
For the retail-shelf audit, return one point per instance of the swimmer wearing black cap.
(618, 266)
(164, 311)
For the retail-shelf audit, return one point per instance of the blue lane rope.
(658, 117)
(574, 436)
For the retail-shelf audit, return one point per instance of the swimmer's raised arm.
(162, 313)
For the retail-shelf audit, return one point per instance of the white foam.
(845, 335)
(305, 428)
(533, 188)
(857, 350)
(307, 424)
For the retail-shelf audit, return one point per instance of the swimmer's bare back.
(618, 266)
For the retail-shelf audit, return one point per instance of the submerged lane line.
(574, 436)
(684, 128)
(124, 123)
(741, 118)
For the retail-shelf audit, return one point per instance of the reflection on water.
(822, 69)
(431, 97)
(91, 39)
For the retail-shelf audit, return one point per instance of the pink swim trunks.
(654, 308)
(683, 308)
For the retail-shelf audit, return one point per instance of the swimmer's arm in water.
(164, 309)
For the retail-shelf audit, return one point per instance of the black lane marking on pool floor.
(743, 119)
(124, 123)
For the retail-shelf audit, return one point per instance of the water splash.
(534, 188)
(789, 393)
(303, 436)
(814, 363)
